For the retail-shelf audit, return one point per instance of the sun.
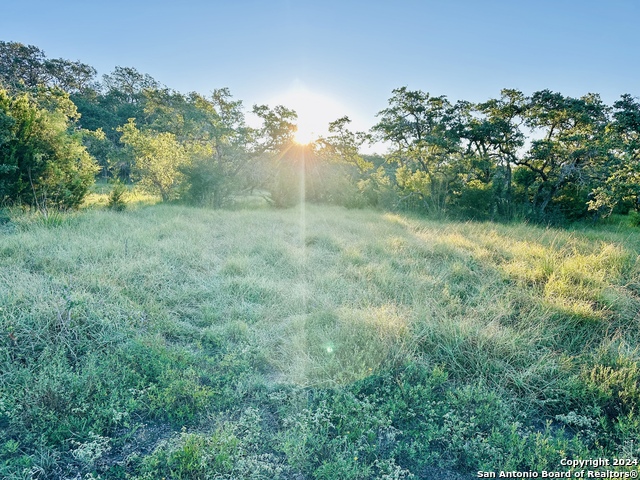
(315, 111)
(304, 136)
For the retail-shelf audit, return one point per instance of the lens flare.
(315, 111)
(304, 137)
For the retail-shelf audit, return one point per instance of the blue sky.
(337, 58)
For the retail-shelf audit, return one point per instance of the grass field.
(312, 343)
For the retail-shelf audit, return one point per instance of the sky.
(328, 58)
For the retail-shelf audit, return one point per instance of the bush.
(285, 191)
(116, 197)
(41, 163)
(476, 200)
(208, 183)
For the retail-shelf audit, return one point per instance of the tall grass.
(188, 343)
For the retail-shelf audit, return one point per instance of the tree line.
(544, 157)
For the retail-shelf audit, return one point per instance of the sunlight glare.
(315, 112)
(304, 137)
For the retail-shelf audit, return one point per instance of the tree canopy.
(544, 156)
(42, 162)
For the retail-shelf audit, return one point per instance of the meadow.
(313, 342)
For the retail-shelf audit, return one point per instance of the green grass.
(166, 341)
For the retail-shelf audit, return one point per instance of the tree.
(340, 174)
(279, 165)
(220, 143)
(344, 145)
(425, 137)
(158, 159)
(192, 146)
(494, 142)
(121, 95)
(42, 160)
(572, 148)
(26, 67)
(278, 128)
(129, 84)
(620, 178)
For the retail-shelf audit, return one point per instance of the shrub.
(476, 200)
(41, 163)
(116, 197)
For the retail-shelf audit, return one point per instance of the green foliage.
(476, 199)
(206, 184)
(158, 158)
(292, 170)
(219, 147)
(466, 428)
(573, 146)
(337, 173)
(583, 161)
(494, 141)
(179, 396)
(377, 190)
(193, 456)
(121, 95)
(117, 200)
(423, 147)
(26, 67)
(43, 164)
(280, 164)
(459, 159)
(622, 173)
(232, 450)
(616, 387)
(285, 189)
(335, 185)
